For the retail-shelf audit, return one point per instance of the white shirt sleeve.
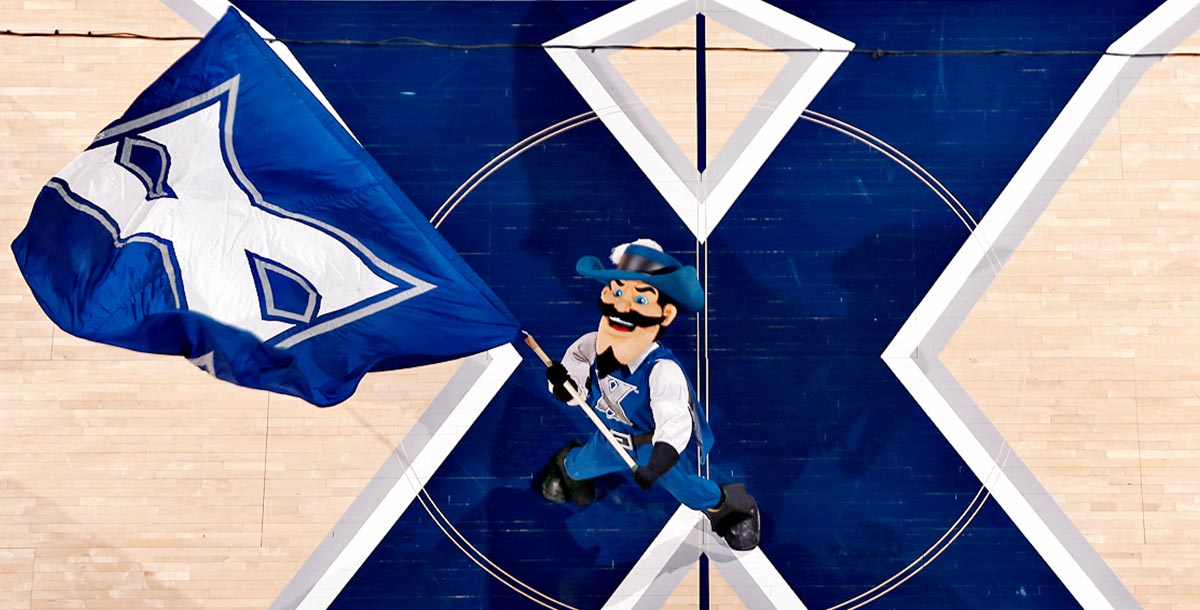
(578, 361)
(669, 402)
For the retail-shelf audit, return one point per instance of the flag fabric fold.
(227, 217)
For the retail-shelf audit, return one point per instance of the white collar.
(636, 362)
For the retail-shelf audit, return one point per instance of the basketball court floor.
(136, 481)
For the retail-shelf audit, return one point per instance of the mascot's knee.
(558, 487)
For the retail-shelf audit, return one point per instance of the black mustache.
(633, 317)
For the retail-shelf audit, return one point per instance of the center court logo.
(700, 166)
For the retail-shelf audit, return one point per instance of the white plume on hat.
(619, 251)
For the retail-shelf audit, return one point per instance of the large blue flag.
(227, 217)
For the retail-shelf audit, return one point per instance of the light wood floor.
(1084, 351)
(131, 481)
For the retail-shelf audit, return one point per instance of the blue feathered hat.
(644, 260)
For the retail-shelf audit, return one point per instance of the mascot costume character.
(640, 390)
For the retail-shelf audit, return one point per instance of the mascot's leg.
(559, 488)
(736, 518)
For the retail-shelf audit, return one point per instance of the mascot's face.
(631, 318)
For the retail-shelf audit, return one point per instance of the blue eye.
(640, 300)
(619, 292)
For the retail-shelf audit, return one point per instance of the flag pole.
(604, 430)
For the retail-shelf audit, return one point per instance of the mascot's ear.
(669, 313)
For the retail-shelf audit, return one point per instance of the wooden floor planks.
(131, 481)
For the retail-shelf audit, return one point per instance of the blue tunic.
(623, 400)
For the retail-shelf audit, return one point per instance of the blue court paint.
(701, 97)
(811, 273)
(701, 164)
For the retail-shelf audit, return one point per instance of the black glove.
(558, 377)
(662, 458)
